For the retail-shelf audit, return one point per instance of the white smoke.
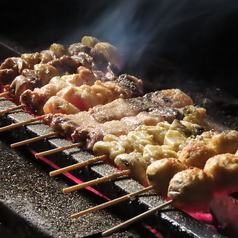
(160, 27)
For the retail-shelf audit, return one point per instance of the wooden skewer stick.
(112, 202)
(33, 139)
(96, 181)
(76, 166)
(48, 152)
(4, 94)
(134, 219)
(21, 123)
(12, 109)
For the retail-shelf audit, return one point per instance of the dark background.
(198, 38)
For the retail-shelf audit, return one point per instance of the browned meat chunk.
(191, 190)
(160, 172)
(7, 76)
(95, 132)
(224, 169)
(15, 63)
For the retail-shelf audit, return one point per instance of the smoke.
(192, 34)
(200, 36)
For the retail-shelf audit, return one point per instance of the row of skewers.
(162, 169)
(170, 144)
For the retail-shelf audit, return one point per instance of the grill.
(172, 222)
(32, 204)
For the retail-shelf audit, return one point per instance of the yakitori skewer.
(112, 202)
(96, 181)
(21, 123)
(76, 166)
(48, 152)
(137, 218)
(183, 191)
(158, 175)
(12, 109)
(34, 139)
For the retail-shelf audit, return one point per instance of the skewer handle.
(96, 181)
(110, 203)
(12, 109)
(76, 166)
(21, 123)
(33, 139)
(48, 152)
(134, 219)
(4, 94)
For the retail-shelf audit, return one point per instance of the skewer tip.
(76, 166)
(136, 218)
(12, 109)
(96, 181)
(3, 94)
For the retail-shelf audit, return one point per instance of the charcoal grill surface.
(33, 205)
(172, 223)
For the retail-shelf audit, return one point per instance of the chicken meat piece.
(36, 99)
(86, 96)
(135, 163)
(7, 76)
(15, 63)
(191, 190)
(11, 68)
(126, 108)
(224, 169)
(171, 98)
(89, 57)
(59, 105)
(196, 154)
(160, 172)
(95, 132)
(32, 59)
(225, 142)
(132, 106)
(30, 79)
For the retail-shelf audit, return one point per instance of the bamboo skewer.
(136, 218)
(48, 152)
(96, 181)
(4, 94)
(33, 139)
(21, 123)
(12, 109)
(110, 203)
(76, 166)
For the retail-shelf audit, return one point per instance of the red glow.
(70, 176)
(206, 218)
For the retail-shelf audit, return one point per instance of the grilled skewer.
(43, 154)
(73, 125)
(183, 189)
(92, 125)
(160, 172)
(30, 71)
